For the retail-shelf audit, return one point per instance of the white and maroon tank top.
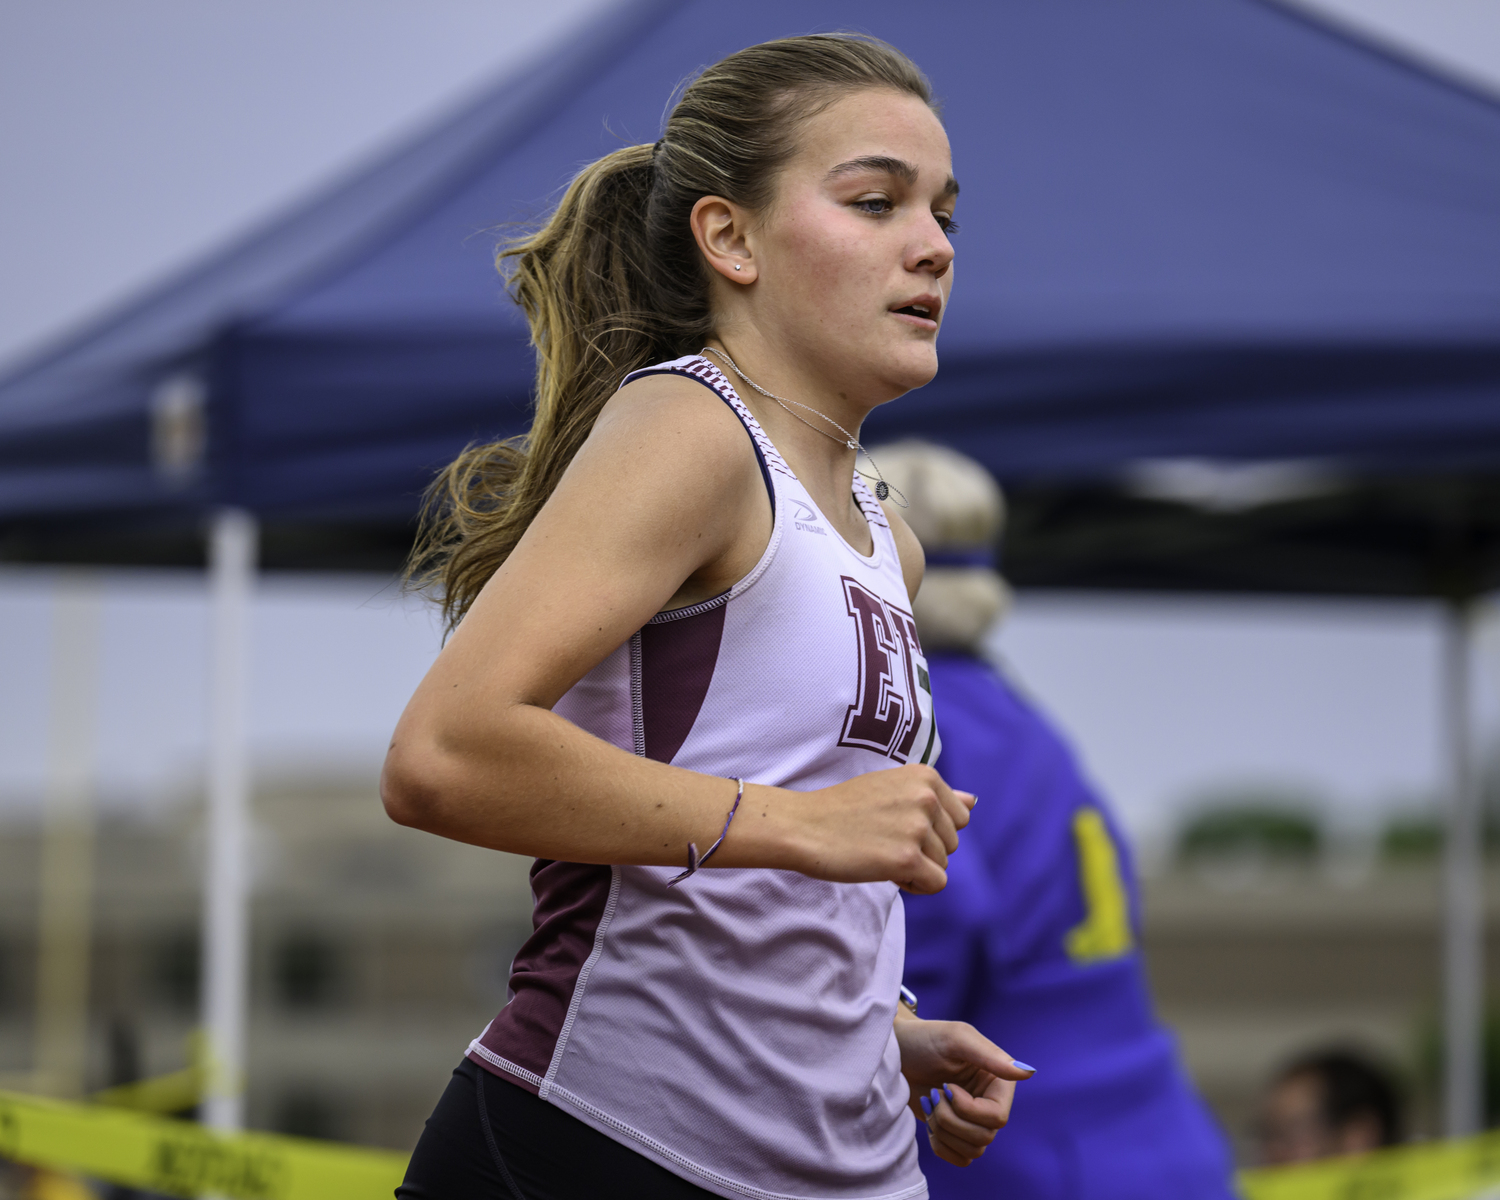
(737, 1028)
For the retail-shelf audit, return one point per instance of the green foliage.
(1419, 839)
(1411, 839)
(1266, 826)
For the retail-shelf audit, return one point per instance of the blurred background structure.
(1226, 323)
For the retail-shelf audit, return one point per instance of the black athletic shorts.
(490, 1140)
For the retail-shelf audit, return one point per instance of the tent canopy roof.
(1192, 230)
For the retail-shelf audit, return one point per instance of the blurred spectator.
(1034, 940)
(25, 1183)
(1329, 1103)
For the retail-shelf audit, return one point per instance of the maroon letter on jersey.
(885, 716)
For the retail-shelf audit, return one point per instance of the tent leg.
(1463, 898)
(67, 858)
(226, 919)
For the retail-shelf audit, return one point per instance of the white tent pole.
(67, 858)
(1463, 893)
(226, 916)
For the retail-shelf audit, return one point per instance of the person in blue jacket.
(1035, 940)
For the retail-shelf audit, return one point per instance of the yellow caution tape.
(179, 1158)
(172, 1093)
(1463, 1169)
(165, 1094)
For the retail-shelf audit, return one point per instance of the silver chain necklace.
(883, 490)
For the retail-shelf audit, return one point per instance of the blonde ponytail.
(614, 282)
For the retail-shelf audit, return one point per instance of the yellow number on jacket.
(1104, 932)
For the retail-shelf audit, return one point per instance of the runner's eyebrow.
(882, 163)
(887, 165)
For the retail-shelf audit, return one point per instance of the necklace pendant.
(882, 490)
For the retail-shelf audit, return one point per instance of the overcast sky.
(138, 135)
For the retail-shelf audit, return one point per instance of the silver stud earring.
(736, 266)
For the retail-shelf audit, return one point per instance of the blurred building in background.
(1252, 972)
(377, 953)
(1270, 937)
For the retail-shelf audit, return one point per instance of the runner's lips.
(925, 308)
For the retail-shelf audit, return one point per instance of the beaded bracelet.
(694, 862)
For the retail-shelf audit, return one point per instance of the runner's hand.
(967, 1081)
(899, 825)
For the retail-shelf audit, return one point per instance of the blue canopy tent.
(1227, 314)
(1194, 230)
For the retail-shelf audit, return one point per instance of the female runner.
(685, 617)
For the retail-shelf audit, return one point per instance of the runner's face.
(853, 256)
